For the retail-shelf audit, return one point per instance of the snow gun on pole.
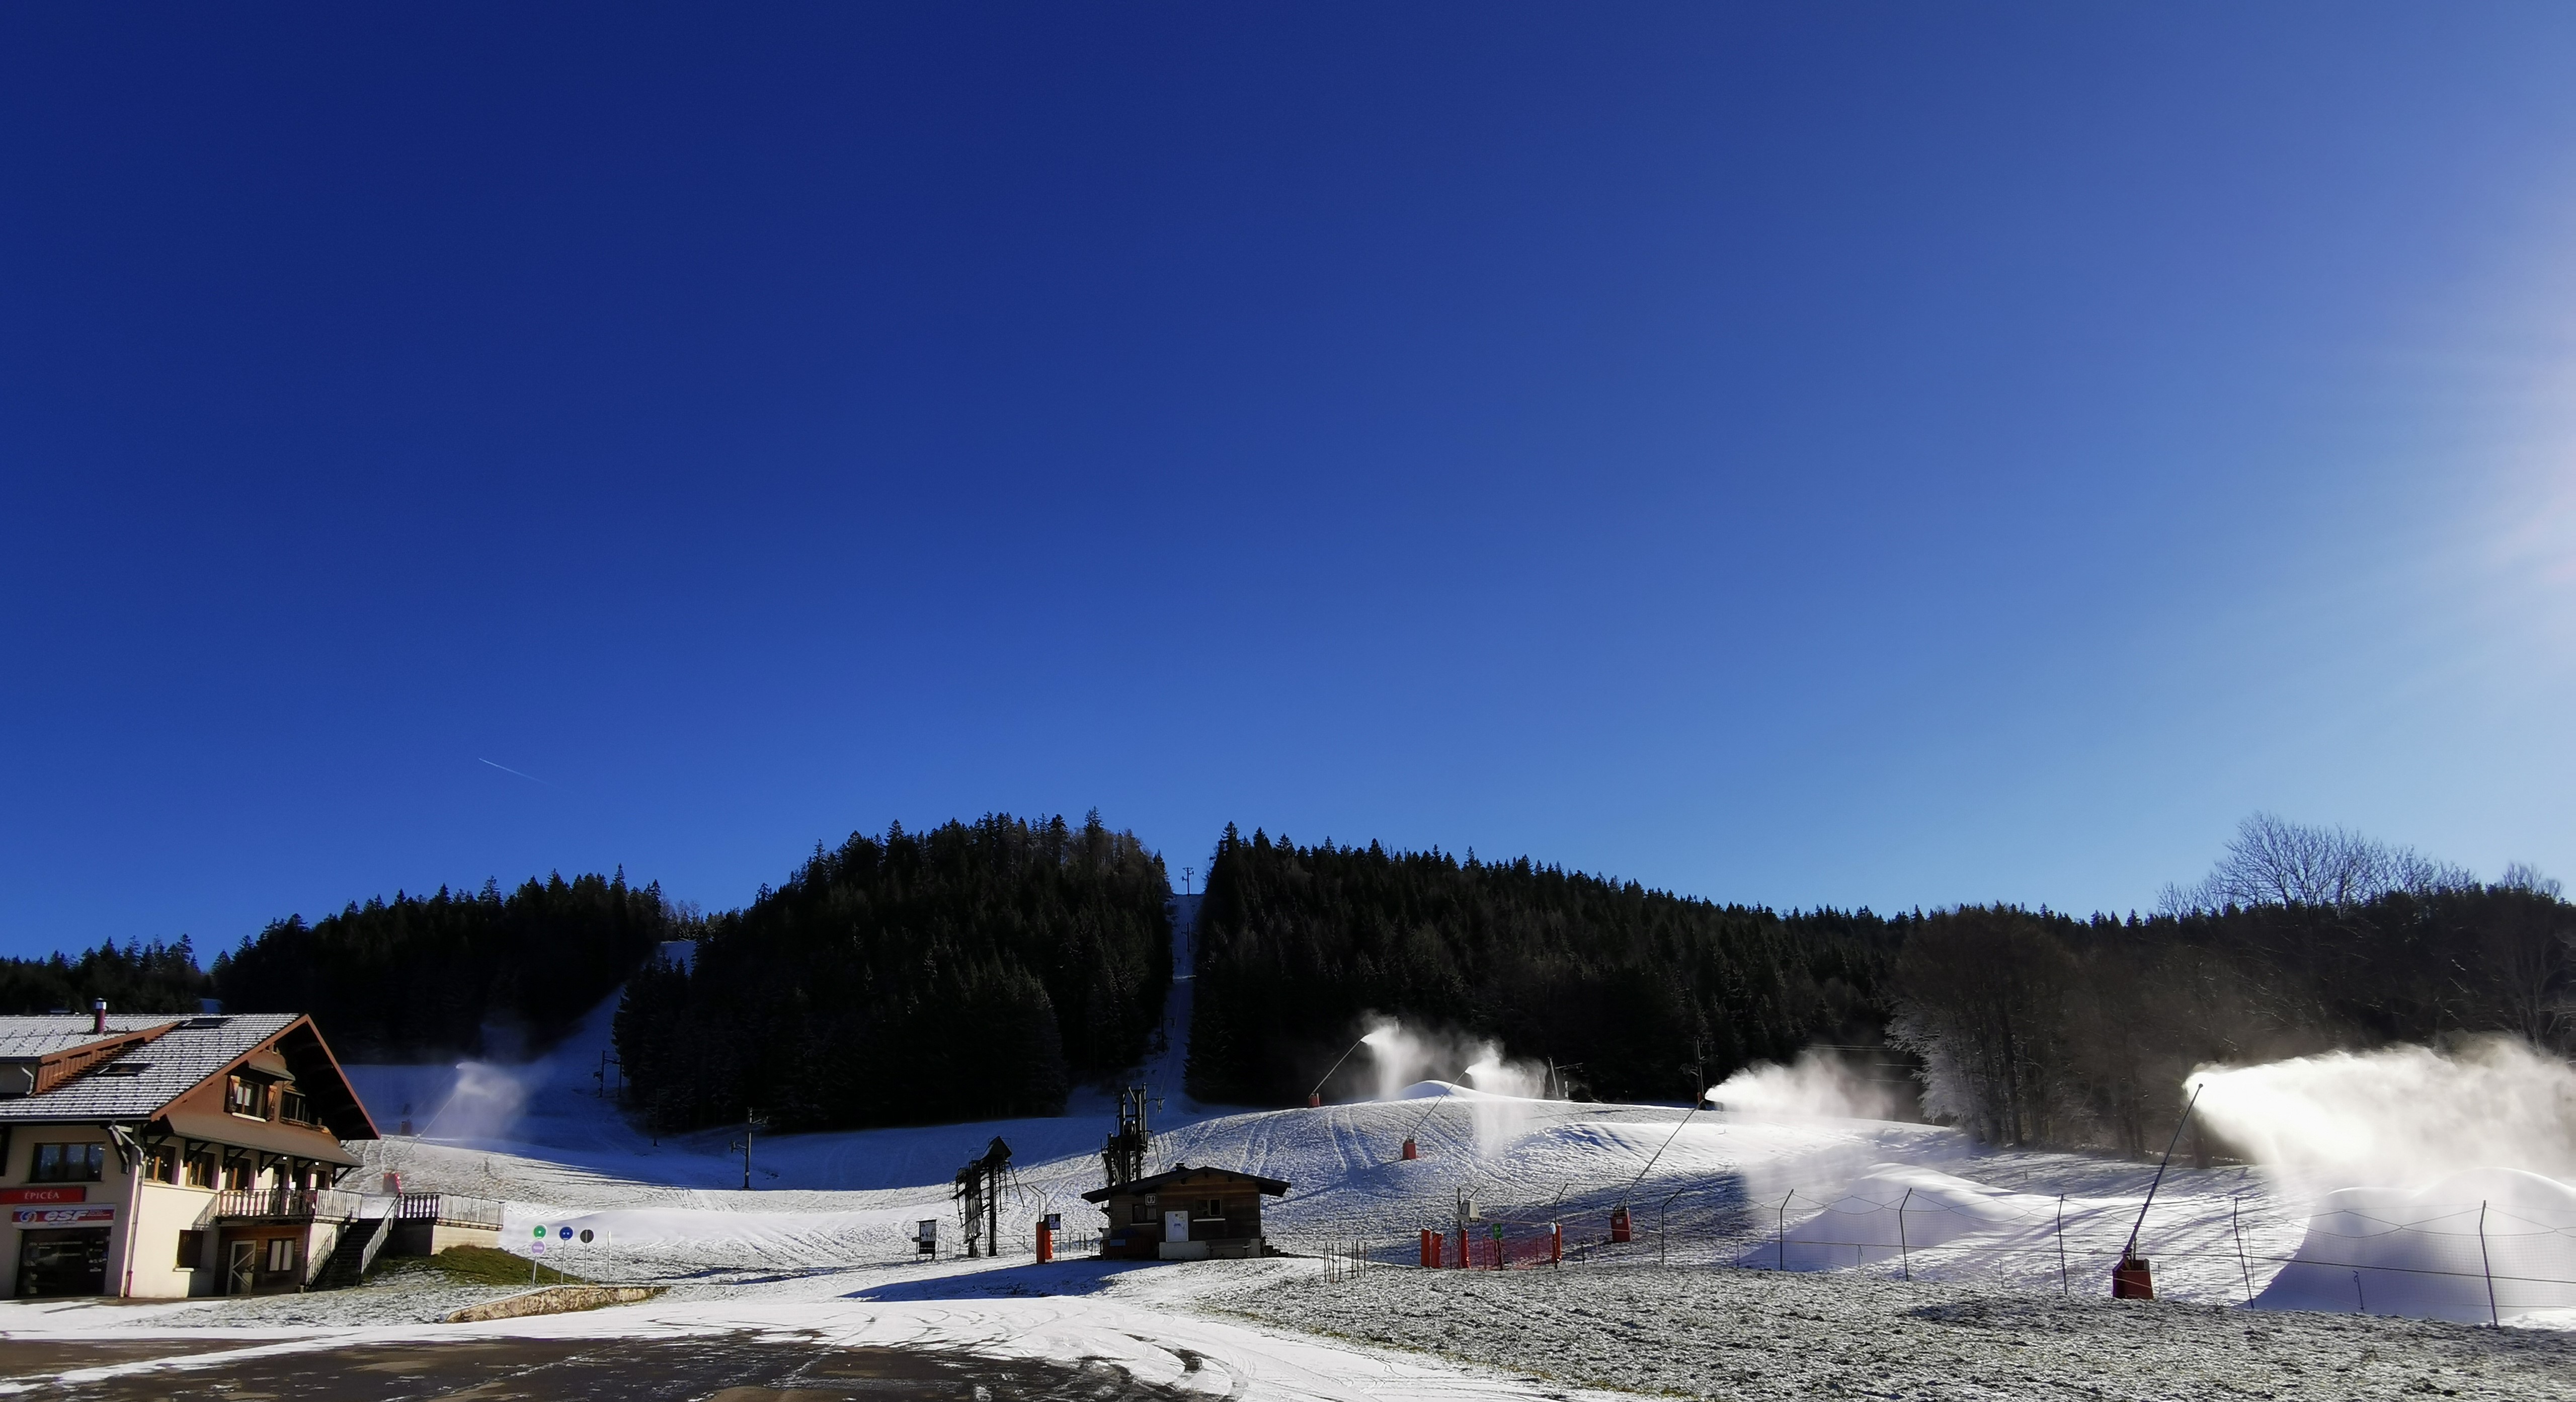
(1315, 1097)
(2133, 1279)
(1411, 1150)
(1619, 1228)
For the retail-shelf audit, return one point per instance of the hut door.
(240, 1270)
(1176, 1224)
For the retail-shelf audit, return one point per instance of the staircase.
(353, 1253)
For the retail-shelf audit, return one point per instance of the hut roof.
(1183, 1173)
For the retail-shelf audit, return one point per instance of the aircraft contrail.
(531, 778)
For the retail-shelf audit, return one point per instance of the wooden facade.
(1185, 1214)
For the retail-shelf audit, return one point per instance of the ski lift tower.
(978, 1194)
(1123, 1156)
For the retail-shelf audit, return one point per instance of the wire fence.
(2471, 1261)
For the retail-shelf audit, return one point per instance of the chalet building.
(157, 1157)
(1186, 1214)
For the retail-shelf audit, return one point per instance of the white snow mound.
(1894, 1209)
(2434, 1252)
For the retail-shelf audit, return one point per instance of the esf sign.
(61, 1216)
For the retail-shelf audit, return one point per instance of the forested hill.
(138, 978)
(2038, 1028)
(972, 971)
(1298, 944)
(481, 973)
(2027, 1026)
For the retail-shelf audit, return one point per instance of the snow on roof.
(22, 1037)
(1181, 1172)
(163, 1069)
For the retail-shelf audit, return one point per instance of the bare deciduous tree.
(2272, 861)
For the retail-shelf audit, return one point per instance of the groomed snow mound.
(2433, 1252)
(1897, 1208)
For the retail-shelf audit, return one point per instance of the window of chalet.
(246, 1097)
(161, 1163)
(201, 1170)
(1140, 1213)
(192, 1249)
(68, 1163)
(1209, 1207)
(281, 1253)
(237, 1175)
(291, 1106)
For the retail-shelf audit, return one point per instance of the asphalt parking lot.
(723, 1368)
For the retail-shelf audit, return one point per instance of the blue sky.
(1881, 455)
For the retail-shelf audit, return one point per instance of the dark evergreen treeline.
(482, 973)
(139, 978)
(972, 971)
(2039, 1028)
(1296, 945)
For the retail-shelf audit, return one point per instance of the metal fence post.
(1784, 1227)
(2487, 1269)
(2064, 1287)
(1905, 1256)
(2242, 1270)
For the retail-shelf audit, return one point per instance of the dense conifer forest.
(138, 978)
(980, 970)
(2039, 1028)
(480, 973)
(975, 970)
(2024, 1026)
(1297, 945)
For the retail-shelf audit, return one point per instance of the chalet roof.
(139, 1084)
(22, 1038)
(1183, 1173)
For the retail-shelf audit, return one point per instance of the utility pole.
(1188, 875)
(751, 1120)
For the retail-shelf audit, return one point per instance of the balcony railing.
(336, 1205)
(449, 1208)
(287, 1204)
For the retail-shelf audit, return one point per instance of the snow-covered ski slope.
(1799, 1193)
(1722, 1186)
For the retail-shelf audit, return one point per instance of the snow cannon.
(1430, 1249)
(1315, 1101)
(2132, 1279)
(1619, 1230)
(1411, 1151)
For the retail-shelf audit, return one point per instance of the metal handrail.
(454, 1209)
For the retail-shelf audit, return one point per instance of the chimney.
(98, 1014)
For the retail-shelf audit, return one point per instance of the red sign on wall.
(68, 1193)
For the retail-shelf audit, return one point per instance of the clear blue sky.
(1801, 454)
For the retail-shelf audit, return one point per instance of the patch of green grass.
(472, 1265)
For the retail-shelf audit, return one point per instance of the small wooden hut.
(1186, 1214)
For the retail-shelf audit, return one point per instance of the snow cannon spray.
(1375, 1037)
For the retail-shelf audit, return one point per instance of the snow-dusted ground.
(1764, 1334)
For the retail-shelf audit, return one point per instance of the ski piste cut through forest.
(984, 970)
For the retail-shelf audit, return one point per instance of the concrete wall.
(162, 1211)
(430, 1238)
